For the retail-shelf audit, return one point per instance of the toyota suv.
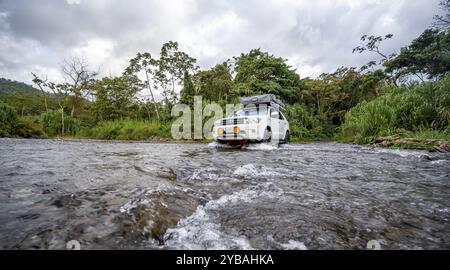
(260, 119)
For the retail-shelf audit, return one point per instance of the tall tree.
(78, 77)
(114, 97)
(60, 93)
(258, 72)
(372, 44)
(216, 84)
(188, 91)
(428, 55)
(146, 63)
(40, 83)
(442, 21)
(172, 65)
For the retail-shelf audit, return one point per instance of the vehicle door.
(275, 124)
(283, 126)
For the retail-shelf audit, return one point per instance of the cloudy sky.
(315, 36)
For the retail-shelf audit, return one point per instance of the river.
(114, 195)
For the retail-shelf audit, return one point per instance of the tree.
(216, 84)
(78, 77)
(172, 65)
(443, 21)
(8, 120)
(333, 94)
(36, 80)
(258, 72)
(60, 92)
(372, 44)
(74, 91)
(370, 84)
(146, 63)
(188, 92)
(313, 95)
(114, 97)
(428, 55)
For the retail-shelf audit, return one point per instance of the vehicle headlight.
(220, 131)
(236, 130)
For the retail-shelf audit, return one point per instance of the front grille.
(233, 121)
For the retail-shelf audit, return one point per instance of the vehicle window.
(281, 116)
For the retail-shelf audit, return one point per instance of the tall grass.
(127, 129)
(8, 120)
(420, 109)
(305, 125)
(29, 127)
(12, 126)
(53, 124)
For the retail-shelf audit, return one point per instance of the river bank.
(398, 142)
(389, 142)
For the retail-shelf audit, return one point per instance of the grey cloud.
(316, 36)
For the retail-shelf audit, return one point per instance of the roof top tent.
(268, 99)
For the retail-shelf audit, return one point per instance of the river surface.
(112, 195)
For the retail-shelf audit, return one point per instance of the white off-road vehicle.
(260, 119)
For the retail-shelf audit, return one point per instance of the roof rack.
(268, 99)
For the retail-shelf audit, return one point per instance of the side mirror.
(275, 114)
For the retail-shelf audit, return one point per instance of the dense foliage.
(427, 55)
(8, 120)
(416, 108)
(407, 94)
(55, 123)
(128, 130)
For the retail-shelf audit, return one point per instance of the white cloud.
(316, 36)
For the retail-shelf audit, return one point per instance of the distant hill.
(26, 99)
(10, 87)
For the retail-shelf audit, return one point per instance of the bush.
(367, 119)
(8, 120)
(304, 124)
(52, 123)
(28, 127)
(127, 130)
(416, 109)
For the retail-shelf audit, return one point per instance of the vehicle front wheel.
(287, 137)
(267, 135)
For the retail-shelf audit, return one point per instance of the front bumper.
(247, 132)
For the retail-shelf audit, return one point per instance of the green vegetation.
(29, 127)
(305, 125)
(8, 120)
(406, 95)
(418, 110)
(12, 125)
(128, 130)
(53, 125)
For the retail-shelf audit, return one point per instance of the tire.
(287, 137)
(222, 142)
(267, 135)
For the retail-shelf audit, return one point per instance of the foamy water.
(206, 196)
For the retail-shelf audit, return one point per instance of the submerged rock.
(412, 143)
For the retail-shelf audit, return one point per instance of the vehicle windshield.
(250, 112)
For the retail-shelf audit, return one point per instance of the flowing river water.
(113, 195)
